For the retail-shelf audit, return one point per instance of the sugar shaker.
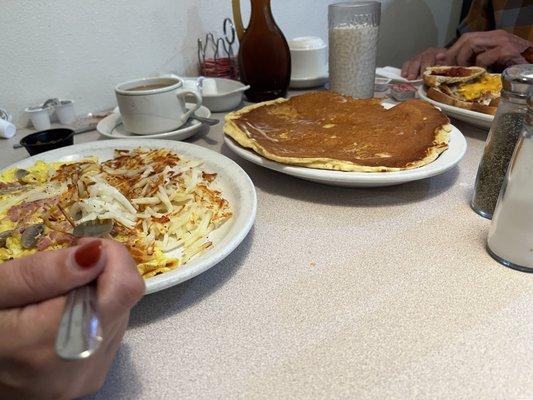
(353, 40)
(502, 138)
(510, 238)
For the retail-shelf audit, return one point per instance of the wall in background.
(81, 49)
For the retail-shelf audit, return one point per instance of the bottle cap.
(518, 79)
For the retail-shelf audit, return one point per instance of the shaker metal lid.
(517, 79)
(529, 114)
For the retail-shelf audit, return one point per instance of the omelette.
(153, 201)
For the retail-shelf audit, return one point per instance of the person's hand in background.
(414, 67)
(32, 298)
(488, 49)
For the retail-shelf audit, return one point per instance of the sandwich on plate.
(470, 88)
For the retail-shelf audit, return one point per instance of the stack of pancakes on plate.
(330, 131)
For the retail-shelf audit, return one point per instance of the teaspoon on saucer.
(205, 120)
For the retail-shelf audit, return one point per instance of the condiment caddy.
(216, 56)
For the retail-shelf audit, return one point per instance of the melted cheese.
(486, 84)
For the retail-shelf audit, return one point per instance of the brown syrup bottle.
(264, 56)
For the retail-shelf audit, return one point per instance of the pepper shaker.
(510, 238)
(502, 138)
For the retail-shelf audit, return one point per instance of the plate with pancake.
(333, 139)
(470, 94)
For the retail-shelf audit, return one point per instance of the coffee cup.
(155, 105)
(309, 57)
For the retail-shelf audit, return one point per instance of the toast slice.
(487, 107)
(436, 76)
(435, 93)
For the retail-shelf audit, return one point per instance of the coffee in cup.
(154, 105)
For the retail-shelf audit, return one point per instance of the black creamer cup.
(51, 139)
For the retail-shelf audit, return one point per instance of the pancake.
(327, 130)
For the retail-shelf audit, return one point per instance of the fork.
(80, 329)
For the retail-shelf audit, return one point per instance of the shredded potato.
(157, 201)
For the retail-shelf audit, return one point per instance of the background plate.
(446, 161)
(234, 183)
(472, 117)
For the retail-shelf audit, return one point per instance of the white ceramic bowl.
(224, 95)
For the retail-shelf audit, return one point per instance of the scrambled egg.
(486, 84)
(40, 172)
(159, 265)
(152, 201)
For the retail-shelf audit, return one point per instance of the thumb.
(46, 275)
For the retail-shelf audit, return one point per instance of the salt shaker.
(502, 138)
(510, 239)
(353, 40)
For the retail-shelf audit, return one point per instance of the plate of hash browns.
(178, 208)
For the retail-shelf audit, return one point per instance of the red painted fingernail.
(88, 255)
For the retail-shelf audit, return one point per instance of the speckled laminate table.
(339, 293)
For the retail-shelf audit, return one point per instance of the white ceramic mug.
(154, 105)
(309, 57)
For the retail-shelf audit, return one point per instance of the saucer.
(308, 83)
(111, 127)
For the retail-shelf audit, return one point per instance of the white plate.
(472, 117)
(446, 161)
(112, 127)
(234, 183)
(308, 83)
